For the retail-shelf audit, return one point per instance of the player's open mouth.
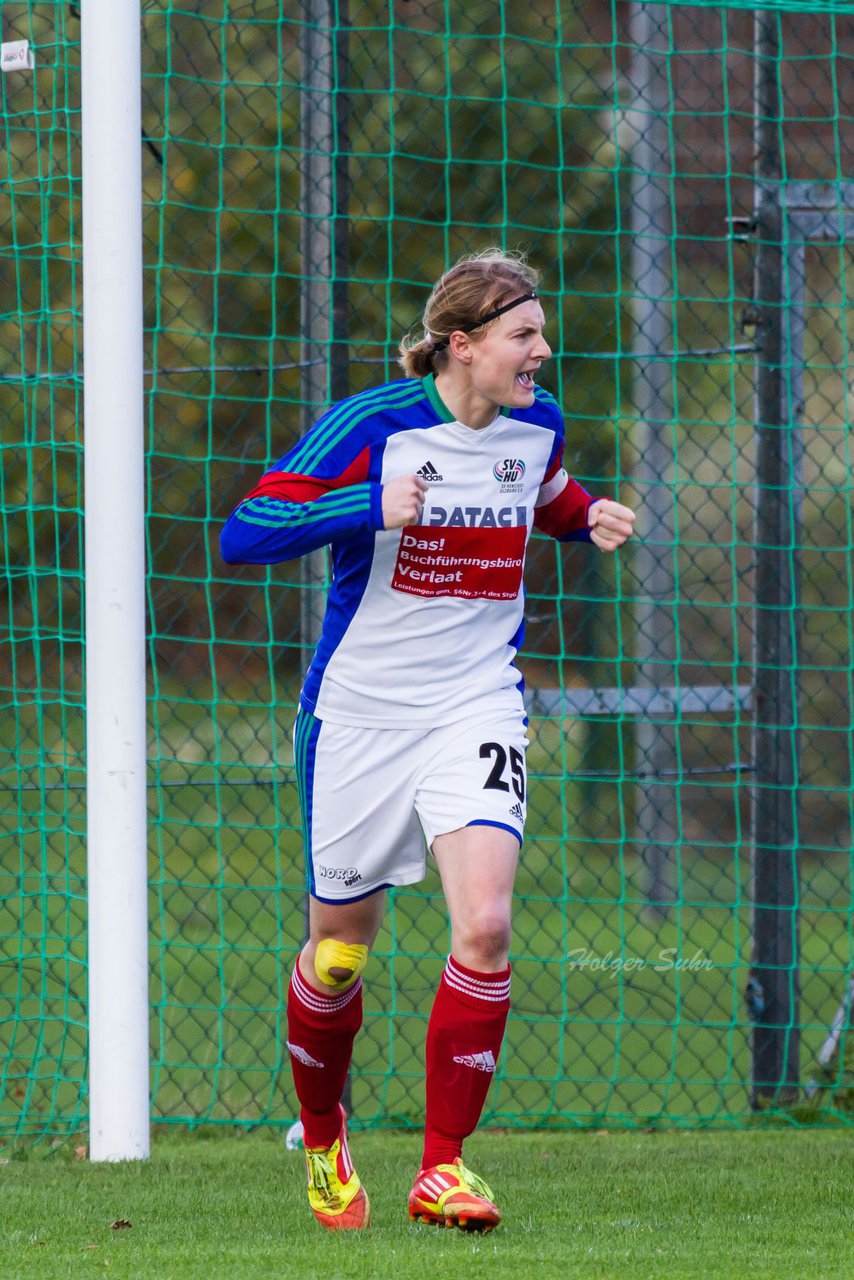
(525, 380)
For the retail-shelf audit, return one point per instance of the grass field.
(674, 1206)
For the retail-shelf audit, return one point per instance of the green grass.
(600, 1206)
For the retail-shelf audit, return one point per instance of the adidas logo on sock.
(516, 811)
(428, 472)
(480, 1061)
(303, 1056)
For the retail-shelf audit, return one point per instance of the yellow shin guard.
(331, 955)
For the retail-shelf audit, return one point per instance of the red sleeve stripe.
(555, 462)
(289, 487)
(567, 513)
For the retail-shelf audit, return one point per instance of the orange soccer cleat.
(450, 1195)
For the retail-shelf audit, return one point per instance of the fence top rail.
(818, 195)
(639, 701)
(806, 7)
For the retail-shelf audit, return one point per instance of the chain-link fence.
(685, 888)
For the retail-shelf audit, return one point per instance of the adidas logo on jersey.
(429, 473)
(480, 1061)
(516, 811)
(303, 1056)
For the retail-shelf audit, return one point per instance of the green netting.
(453, 127)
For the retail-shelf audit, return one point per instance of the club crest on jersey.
(509, 472)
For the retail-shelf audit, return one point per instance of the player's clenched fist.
(610, 524)
(403, 499)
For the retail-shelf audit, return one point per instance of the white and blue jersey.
(421, 622)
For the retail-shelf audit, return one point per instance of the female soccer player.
(411, 725)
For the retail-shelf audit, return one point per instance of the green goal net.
(307, 175)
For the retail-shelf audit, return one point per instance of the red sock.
(463, 1043)
(321, 1031)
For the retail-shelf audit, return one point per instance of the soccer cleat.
(450, 1195)
(336, 1195)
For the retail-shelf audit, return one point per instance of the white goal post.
(115, 584)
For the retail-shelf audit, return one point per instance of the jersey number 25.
(496, 780)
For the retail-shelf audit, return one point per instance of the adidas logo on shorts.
(428, 472)
(303, 1056)
(516, 811)
(480, 1061)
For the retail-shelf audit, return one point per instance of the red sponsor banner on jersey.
(476, 564)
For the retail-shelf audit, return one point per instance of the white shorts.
(371, 798)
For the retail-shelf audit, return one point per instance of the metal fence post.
(324, 299)
(324, 247)
(340, 374)
(317, 144)
(655, 818)
(773, 984)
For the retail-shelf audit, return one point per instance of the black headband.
(490, 315)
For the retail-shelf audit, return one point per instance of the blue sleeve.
(324, 489)
(266, 529)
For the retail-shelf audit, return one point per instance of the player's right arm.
(403, 501)
(320, 491)
(291, 512)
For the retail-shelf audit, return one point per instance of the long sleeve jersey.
(421, 621)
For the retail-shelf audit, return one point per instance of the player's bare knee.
(484, 939)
